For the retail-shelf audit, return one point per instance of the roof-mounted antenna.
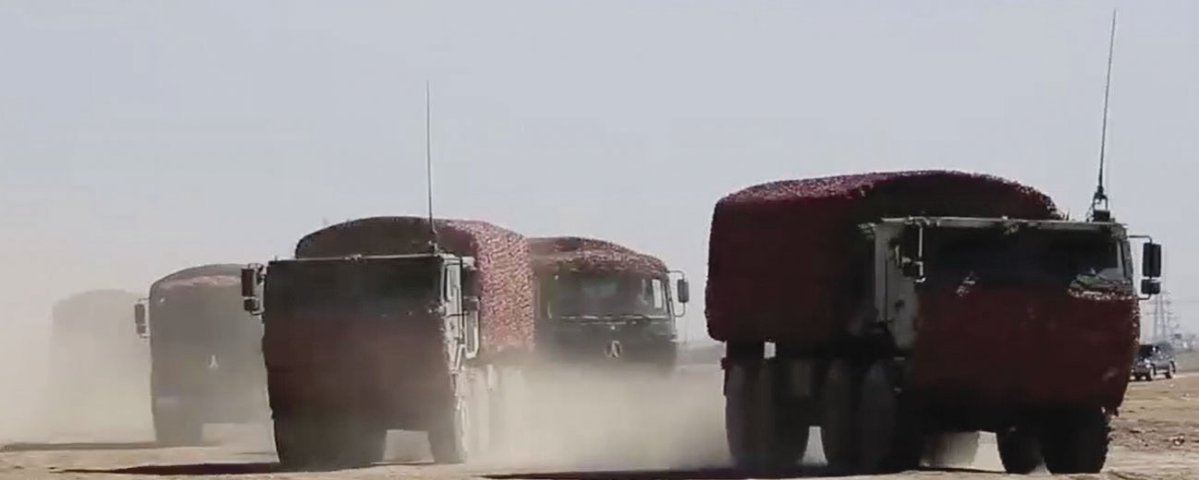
(1099, 203)
(433, 240)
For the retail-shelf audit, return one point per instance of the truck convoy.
(597, 301)
(392, 323)
(205, 353)
(906, 305)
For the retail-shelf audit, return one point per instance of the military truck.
(206, 362)
(598, 301)
(392, 323)
(906, 305)
(98, 375)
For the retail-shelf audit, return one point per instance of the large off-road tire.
(324, 442)
(784, 422)
(839, 418)
(461, 430)
(1019, 450)
(888, 438)
(956, 449)
(1076, 441)
(177, 430)
(357, 442)
(742, 409)
(296, 441)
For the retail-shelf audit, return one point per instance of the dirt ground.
(1156, 437)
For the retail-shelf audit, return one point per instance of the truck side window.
(658, 290)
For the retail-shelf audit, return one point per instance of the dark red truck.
(374, 326)
(205, 353)
(601, 303)
(908, 305)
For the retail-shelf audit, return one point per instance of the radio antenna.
(434, 244)
(1099, 203)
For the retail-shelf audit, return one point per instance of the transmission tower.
(1163, 319)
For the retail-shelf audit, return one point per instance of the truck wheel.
(177, 431)
(497, 408)
(479, 401)
(294, 442)
(1152, 373)
(448, 440)
(1076, 442)
(838, 424)
(956, 449)
(742, 406)
(783, 422)
(354, 442)
(1018, 450)
(887, 437)
(1170, 369)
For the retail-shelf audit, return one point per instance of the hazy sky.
(139, 137)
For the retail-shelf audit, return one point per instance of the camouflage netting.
(216, 275)
(95, 325)
(502, 257)
(781, 254)
(576, 254)
(82, 311)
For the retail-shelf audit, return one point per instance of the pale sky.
(140, 137)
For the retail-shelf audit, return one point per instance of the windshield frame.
(652, 288)
(1032, 247)
(281, 291)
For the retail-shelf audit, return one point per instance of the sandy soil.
(1156, 437)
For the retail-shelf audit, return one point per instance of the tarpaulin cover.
(578, 254)
(781, 254)
(504, 279)
(215, 275)
(1021, 340)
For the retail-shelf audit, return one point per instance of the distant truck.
(597, 301)
(907, 305)
(98, 370)
(205, 353)
(380, 324)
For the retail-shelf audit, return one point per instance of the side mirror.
(913, 269)
(139, 319)
(249, 281)
(683, 289)
(251, 305)
(1151, 260)
(470, 304)
(1150, 287)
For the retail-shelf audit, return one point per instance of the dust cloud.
(78, 374)
(594, 419)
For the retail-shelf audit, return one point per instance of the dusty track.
(1157, 437)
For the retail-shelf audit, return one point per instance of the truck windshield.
(1043, 257)
(606, 296)
(353, 284)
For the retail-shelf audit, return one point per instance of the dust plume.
(83, 376)
(594, 419)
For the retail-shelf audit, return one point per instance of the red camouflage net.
(215, 275)
(578, 254)
(781, 254)
(1021, 340)
(501, 256)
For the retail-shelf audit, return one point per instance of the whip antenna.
(429, 169)
(1099, 202)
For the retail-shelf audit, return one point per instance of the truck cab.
(359, 345)
(595, 316)
(918, 257)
